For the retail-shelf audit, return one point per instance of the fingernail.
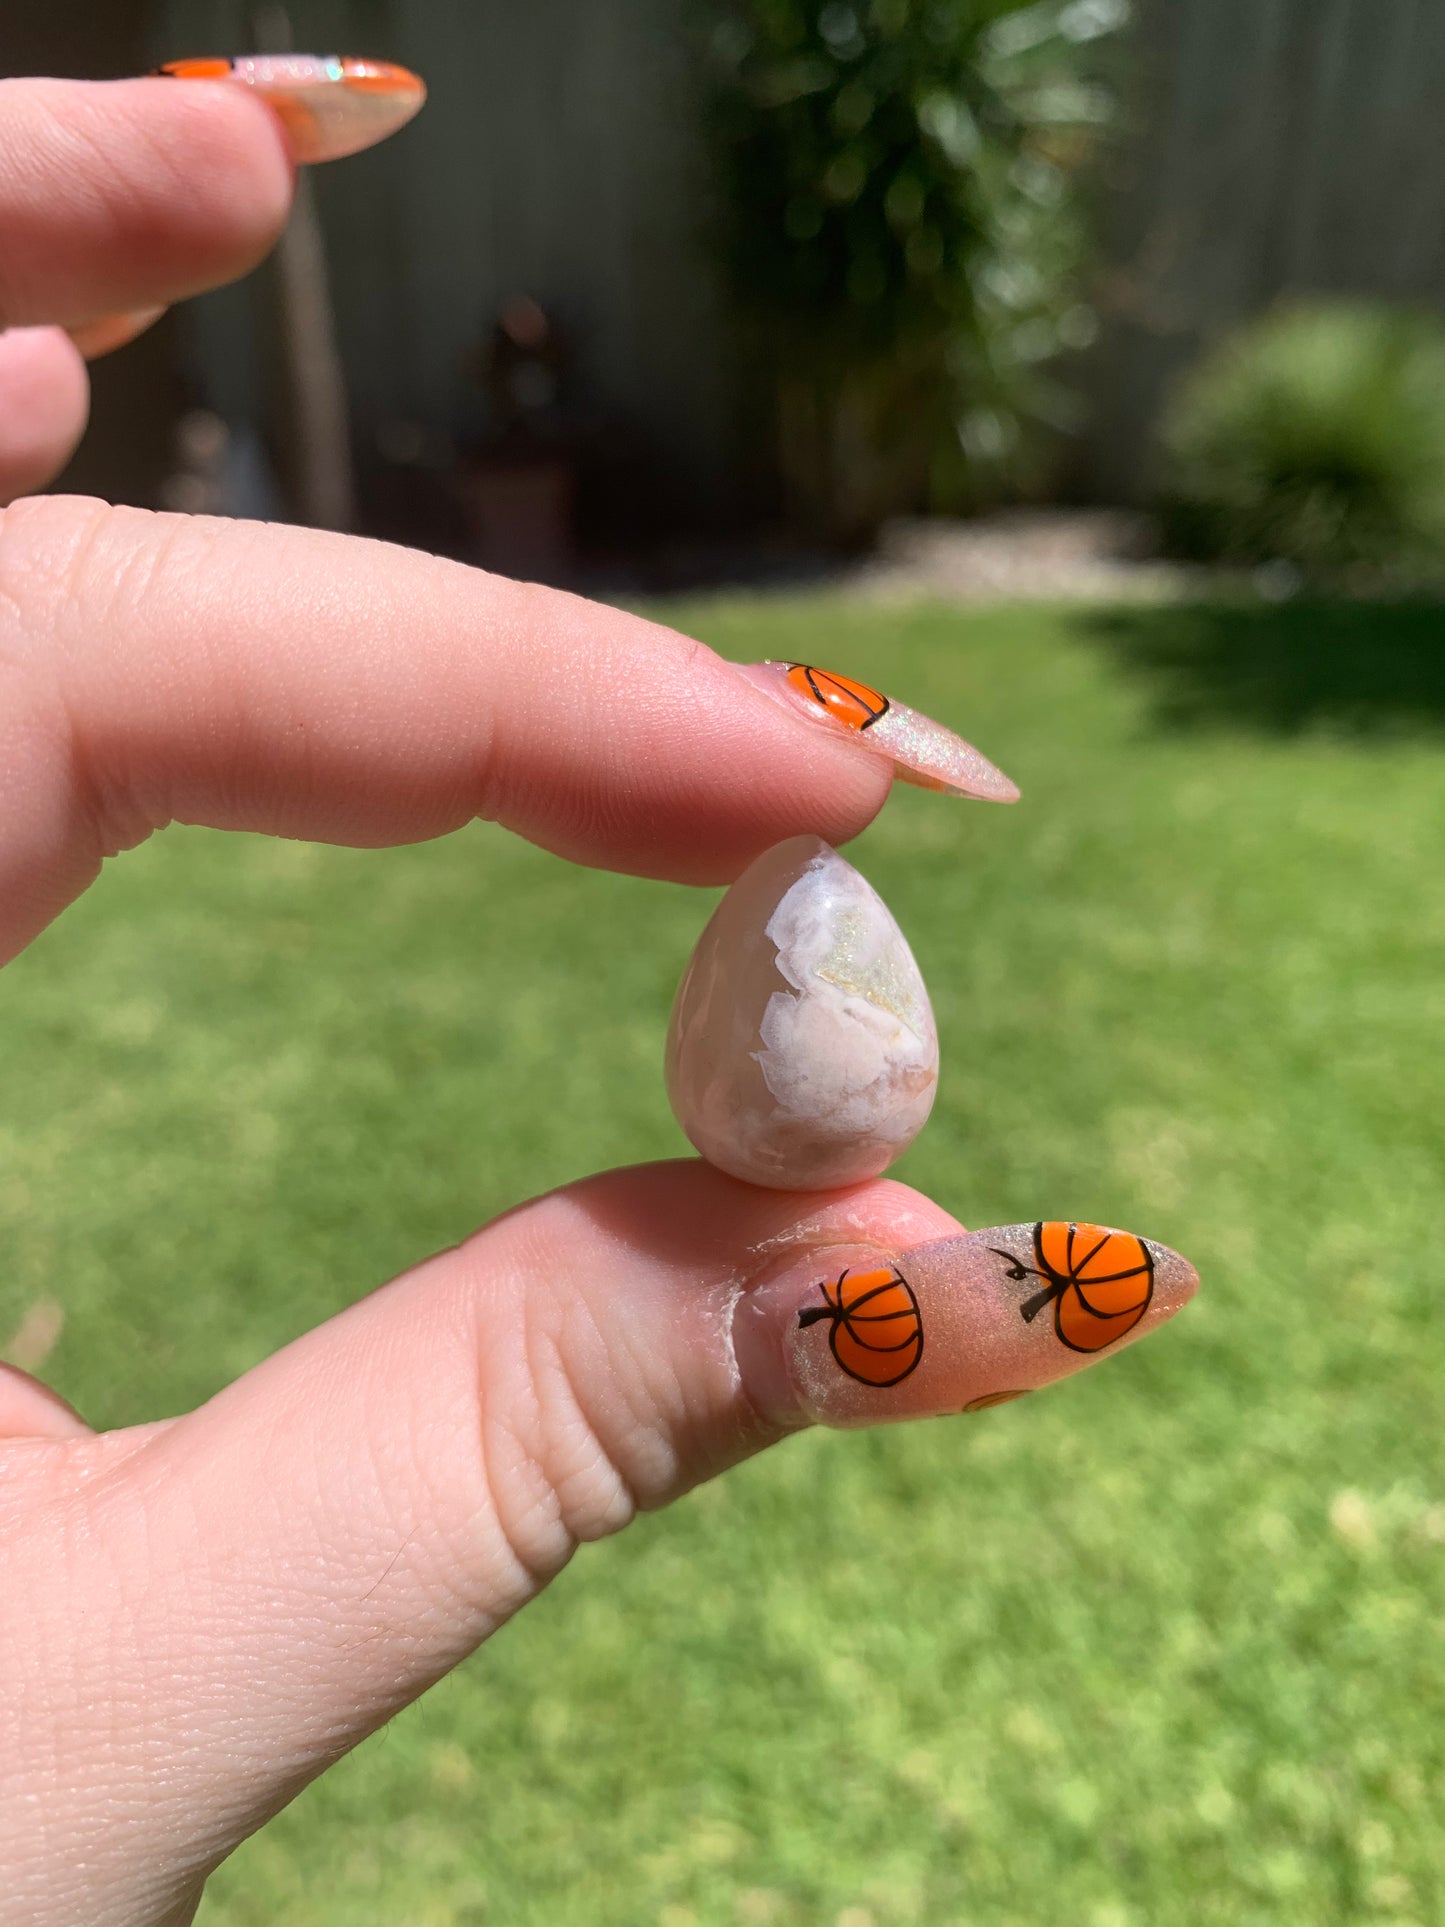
(112, 331)
(329, 105)
(855, 1336)
(921, 751)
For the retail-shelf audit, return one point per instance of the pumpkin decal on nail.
(1098, 1281)
(877, 1329)
(851, 703)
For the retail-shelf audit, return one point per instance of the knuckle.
(47, 544)
(552, 1479)
(566, 1451)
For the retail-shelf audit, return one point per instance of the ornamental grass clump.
(1315, 438)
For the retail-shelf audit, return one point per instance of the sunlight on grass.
(1162, 1646)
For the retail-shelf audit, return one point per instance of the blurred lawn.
(1162, 1646)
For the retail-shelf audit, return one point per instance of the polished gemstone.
(802, 1052)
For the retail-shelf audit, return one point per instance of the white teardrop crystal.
(802, 1051)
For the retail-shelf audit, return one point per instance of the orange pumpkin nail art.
(851, 703)
(1099, 1282)
(870, 1338)
(877, 1330)
(920, 750)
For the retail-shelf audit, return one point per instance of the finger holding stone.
(175, 668)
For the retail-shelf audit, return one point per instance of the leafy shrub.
(904, 232)
(1315, 437)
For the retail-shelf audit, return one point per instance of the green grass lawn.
(1164, 1645)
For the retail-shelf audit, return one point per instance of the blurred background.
(668, 288)
(1075, 371)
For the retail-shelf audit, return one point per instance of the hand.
(200, 1614)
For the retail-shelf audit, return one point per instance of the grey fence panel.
(559, 157)
(1275, 148)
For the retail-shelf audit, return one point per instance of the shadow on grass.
(1365, 668)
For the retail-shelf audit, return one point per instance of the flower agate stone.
(802, 1052)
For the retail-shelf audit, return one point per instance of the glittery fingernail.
(855, 1336)
(330, 105)
(921, 751)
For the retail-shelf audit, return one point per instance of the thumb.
(275, 1574)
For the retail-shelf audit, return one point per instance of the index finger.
(157, 668)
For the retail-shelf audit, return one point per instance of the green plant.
(1315, 437)
(904, 232)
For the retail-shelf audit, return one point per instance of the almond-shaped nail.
(921, 751)
(330, 105)
(856, 1336)
(109, 332)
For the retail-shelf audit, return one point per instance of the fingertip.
(619, 742)
(30, 1410)
(896, 1210)
(119, 195)
(684, 1208)
(803, 781)
(44, 407)
(219, 170)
